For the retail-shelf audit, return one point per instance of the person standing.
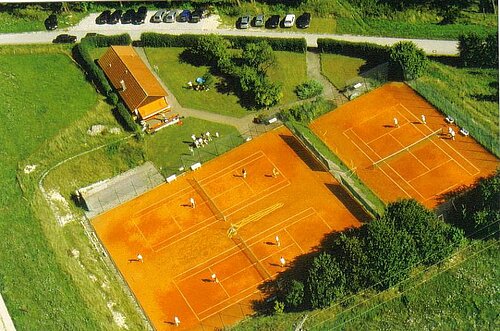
(277, 239)
(424, 121)
(244, 173)
(396, 122)
(192, 202)
(139, 258)
(177, 321)
(282, 262)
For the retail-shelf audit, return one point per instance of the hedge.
(151, 39)
(81, 53)
(361, 50)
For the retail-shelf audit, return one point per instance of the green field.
(33, 20)
(340, 69)
(290, 71)
(462, 294)
(469, 95)
(38, 93)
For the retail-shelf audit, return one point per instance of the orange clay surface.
(362, 132)
(183, 246)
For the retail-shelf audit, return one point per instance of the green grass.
(468, 95)
(48, 108)
(462, 294)
(37, 104)
(406, 29)
(290, 71)
(340, 69)
(176, 75)
(33, 20)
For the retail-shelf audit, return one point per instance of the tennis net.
(198, 188)
(407, 148)
(251, 256)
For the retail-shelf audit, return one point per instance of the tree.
(325, 281)
(434, 239)
(407, 61)
(268, 93)
(210, 50)
(349, 248)
(259, 55)
(477, 51)
(390, 254)
(294, 294)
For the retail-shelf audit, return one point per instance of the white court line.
(187, 302)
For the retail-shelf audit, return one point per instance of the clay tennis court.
(183, 246)
(411, 160)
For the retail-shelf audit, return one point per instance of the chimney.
(122, 83)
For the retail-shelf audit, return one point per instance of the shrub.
(294, 296)
(279, 307)
(152, 39)
(325, 281)
(372, 52)
(125, 117)
(209, 50)
(407, 61)
(309, 89)
(477, 51)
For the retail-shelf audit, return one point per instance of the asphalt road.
(210, 25)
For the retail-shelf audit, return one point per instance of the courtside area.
(203, 262)
(402, 147)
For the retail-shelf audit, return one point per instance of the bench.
(464, 132)
(450, 119)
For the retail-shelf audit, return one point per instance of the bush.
(126, 119)
(152, 39)
(372, 52)
(325, 281)
(478, 51)
(106, 41)
(309, 89)
(294, 294)
(306, 112)
(407, 61)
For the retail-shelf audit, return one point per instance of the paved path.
(210, 25)
(242, 124)
(314, 72)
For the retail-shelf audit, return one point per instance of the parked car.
(196, 16)
(273, 22)
(115, 17)
(303, 20)
(64, 39)
(159, 15)
(244, 22)
(140, 16)
(259, 20)
(103, 17)
(289, 20)
(128, 16)
(184, 16)
(171, 16)
(51, 22)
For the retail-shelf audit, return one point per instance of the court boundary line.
(218, 312)
(219, 283)
(186, 301)
(454, 150)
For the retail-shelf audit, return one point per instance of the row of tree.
(377, 255)
(248, 71)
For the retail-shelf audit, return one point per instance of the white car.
(289, 20)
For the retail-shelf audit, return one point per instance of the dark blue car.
(185, 16)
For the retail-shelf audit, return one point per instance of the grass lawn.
(33, 20)
(176, 75)
(290, 71)
(468, 95)
(340, 69)
(461, 295)
(44, 279)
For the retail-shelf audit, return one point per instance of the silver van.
(171, 16)
(158, 16)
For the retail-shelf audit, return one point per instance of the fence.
(216, 147)
(340, 175)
